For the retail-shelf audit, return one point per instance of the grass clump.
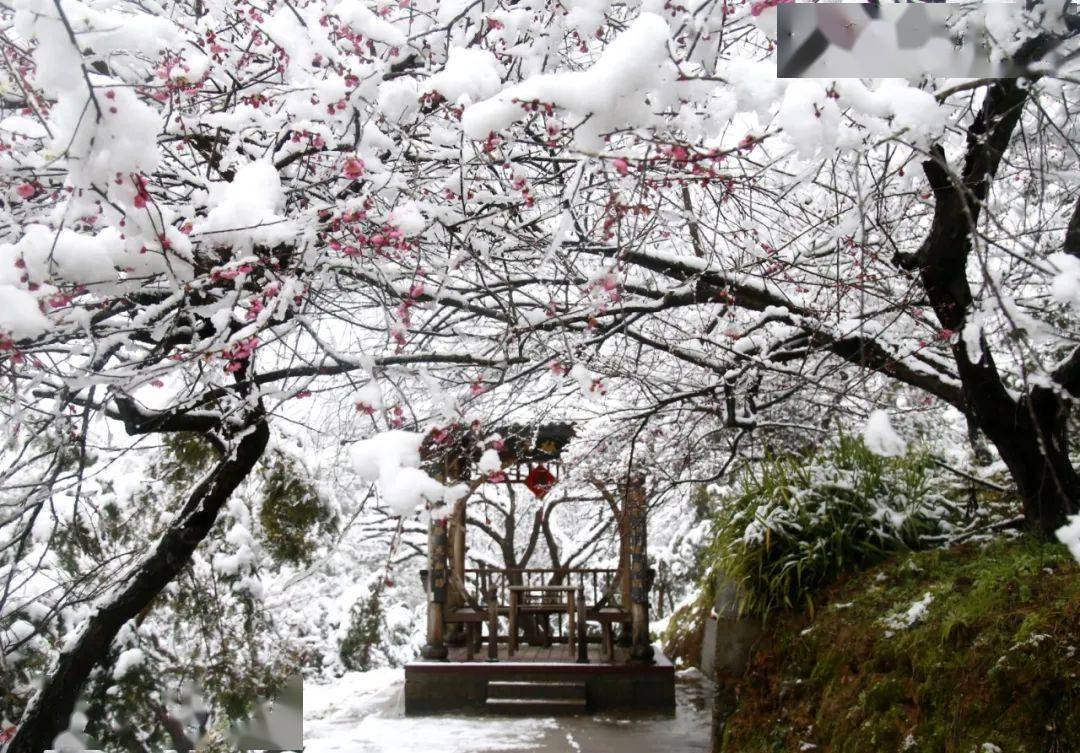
(798, 523)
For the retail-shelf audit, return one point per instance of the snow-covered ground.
(363, 712)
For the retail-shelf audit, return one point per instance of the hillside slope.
(969, 650)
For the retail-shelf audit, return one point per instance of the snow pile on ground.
(363, 712)
(881, 438)
(1069, 535)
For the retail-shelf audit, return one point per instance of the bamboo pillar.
(455, 600)
(624, 570)
(493, 625)
(446, 459)
(624, 557)
(458, 547)
(636, 509)
(582, 634)
(435, 648)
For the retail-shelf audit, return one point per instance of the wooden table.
(566, 602)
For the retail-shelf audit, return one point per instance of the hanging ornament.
(539, 481)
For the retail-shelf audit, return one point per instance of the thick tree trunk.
(1030, 436)
(636, 507)
(1033, 442)
(1028, 431)
(49, 710)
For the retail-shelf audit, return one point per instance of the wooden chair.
(472, 619)
(472, 615)
(541, 601)
(607, 617)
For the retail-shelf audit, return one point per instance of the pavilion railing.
(601, 585)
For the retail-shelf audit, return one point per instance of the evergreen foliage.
(362, 635)
(292, 513)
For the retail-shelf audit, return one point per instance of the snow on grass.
(913, 615)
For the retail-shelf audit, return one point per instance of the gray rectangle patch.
(874, 40)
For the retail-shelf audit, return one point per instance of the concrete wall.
(729, 638)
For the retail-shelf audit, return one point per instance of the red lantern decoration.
(539, 481)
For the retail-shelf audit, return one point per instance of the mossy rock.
(685, 633)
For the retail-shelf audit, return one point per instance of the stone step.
(535, 690)
(536, 706)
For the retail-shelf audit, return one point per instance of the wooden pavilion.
(586, 643)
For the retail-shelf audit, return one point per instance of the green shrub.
(362, 635)
(799, 522)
